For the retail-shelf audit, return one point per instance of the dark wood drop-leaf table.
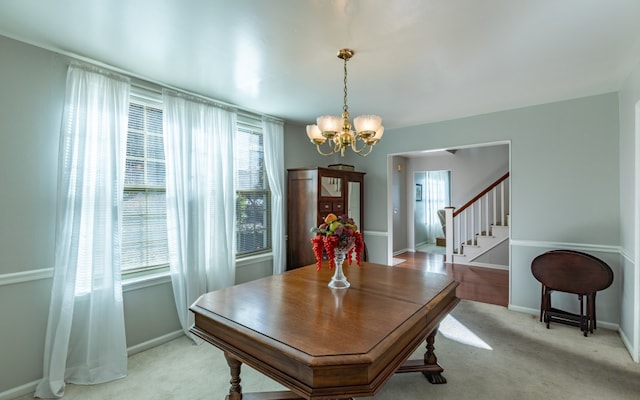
(324, 343)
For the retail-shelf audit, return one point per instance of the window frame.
(254, 125)
(150, 99)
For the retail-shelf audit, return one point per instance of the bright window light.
(452, 329)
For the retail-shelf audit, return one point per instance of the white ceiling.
(415, 61)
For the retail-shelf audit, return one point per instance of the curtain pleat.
(273, 133)
(199, 149)
(85, 339)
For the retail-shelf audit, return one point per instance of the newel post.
(448, 223)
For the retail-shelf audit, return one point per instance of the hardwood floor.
(485, 285)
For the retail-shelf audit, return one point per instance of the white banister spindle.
(464, 236)
(493, 193)
(502, 213)
(458, 232)
(449, 233)
(472, 227)
(473, 220)
(486, 213)
(479, 231)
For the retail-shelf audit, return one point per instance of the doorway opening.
(471, 169)
(433, 194)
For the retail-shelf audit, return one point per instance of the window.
(144, 237)
(144, 220)
(253, 198)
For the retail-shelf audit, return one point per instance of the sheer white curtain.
(273, 134)
(436, 195)
(85, 339)
(199, 148)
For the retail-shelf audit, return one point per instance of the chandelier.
(333, 134)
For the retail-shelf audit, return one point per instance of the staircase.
(478, 232)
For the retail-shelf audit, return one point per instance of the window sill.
(250, 260)
(154, 278)
(146, 280)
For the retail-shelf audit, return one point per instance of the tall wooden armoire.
(312, 194)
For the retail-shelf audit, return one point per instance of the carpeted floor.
(487, 352)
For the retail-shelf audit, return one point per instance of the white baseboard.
(27, 388)
(484, 265)
(525, 310)
(395, 253)
(149, 344)
(375, 233)
(628, 344)
(30, 387)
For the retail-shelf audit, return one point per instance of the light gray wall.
(564, 181)
(399, 192)
(498, 255)
(629, 211)
(564, 156)
(300, 152)
(31, 83)
(419, 228)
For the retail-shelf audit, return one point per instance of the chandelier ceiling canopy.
(333, 134)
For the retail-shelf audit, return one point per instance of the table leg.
(584, 326)
(541, 303)
(235, 391)
(593, 311)
(428, 366)
(434, 371)
(547, 305)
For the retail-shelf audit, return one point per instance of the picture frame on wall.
(418, 192)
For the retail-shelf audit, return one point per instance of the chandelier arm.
(354, 144)
(361, 151)
(331, 150)
(368, 152)
(365, 146)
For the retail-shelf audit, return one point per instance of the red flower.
(318, 244)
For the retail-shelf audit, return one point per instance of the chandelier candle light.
(336, 131)
(339, 238)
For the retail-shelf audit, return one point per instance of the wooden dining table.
(324, 343)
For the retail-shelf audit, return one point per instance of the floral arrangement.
(337, 233)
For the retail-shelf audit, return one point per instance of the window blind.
(253, 198)
(144, 238)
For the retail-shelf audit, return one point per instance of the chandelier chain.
(345, 108)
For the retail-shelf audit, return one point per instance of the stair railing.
(489, 207)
